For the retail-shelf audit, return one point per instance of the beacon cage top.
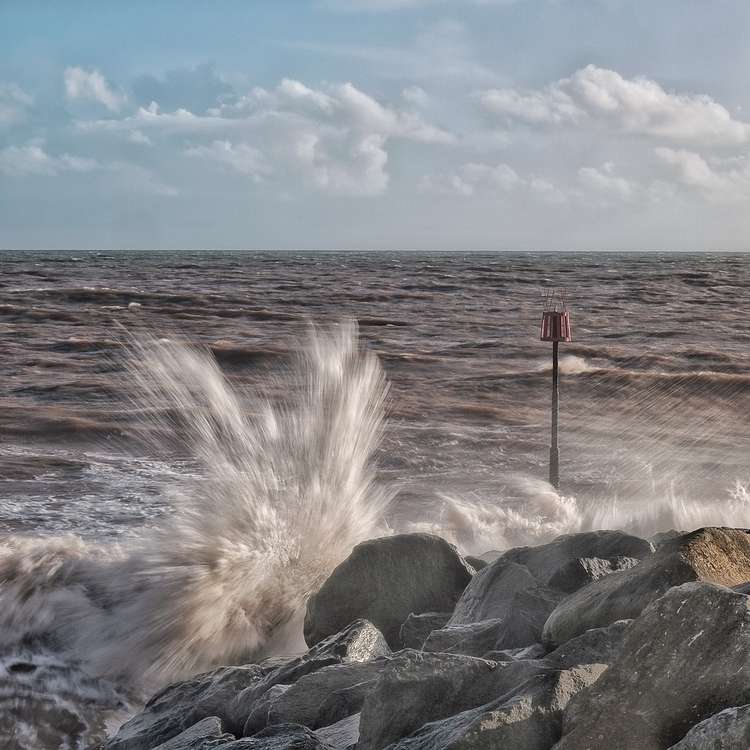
(555, 318)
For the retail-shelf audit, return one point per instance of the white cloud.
(334, 138)
(240, 157)
(475, 178)
(14, 103)
(606, 182)
(139, 138)
(724, 181)
(416, 95)
(32, 159)
(597, 96)
(91, 85)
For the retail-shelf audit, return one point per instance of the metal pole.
(554, 454)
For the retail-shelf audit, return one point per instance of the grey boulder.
(717, 555)
(545, 560)
(727, 730)
(418, 687)
(684, 659)
(416, 628)
(584, 570)
(182, 705)
(384, 581)
(359, 642)
(528, 718)
(280, 737)
(204, 735)
(343, 735)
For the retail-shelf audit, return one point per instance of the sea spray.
(281, 494)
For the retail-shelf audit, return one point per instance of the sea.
(191, 441)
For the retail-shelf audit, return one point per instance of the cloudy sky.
(447, 124)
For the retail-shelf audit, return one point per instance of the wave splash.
(279, 499)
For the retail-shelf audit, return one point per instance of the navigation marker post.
(555, 328)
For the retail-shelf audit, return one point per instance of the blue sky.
(453, 124)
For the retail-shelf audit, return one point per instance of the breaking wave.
(284, 493)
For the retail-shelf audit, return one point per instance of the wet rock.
(595, 646)
(385, 580)
(490, 594)
(545, 560)
(306, 702)
(359, 642)
(279, 737)
(529, 718)
(417, 687)
(684, 659)
(522, 624)
(727, 730)
(343, 735)
(180, 706)
(717, 555)
(534, 651)
(476, 562)
(206, 734)
(583, 570)
(416, 628)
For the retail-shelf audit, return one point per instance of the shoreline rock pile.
(595, 641)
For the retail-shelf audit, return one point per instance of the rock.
(416, 628)
(727, 730)
(743, 588)
(343, 735)
(546, 560)
(717, 555)
(182, 705)
(522, 624)
(204, 735)
(279, 737)
(491, 555)
(417, 687)
(534, 651)
(663, 536)
(476, 562)
(684, 659)
(595, 646)
(305, 702)
(527, 719)
(360, 641)
(583, 570)
(385, 580)
(490, 594)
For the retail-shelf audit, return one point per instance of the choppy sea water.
(119, 444)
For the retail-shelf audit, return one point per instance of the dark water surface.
(655, 387)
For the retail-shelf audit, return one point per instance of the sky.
(375, 124)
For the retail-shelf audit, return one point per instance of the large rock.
(384, 581)
(684, 659)
(491, 592)
(521, 625)
(584, 570)
(727, 730)
(418, 687)
(204, 735)
(359, 642)
(545, 560)
(307, 701)
(717, 555)
(595, 646)
(343, 735)
(416, 628)
(529, 718)
(279, 737)
(182, 705)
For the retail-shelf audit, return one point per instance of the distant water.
(134, 455)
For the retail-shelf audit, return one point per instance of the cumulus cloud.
(606, 182)
(416, 95)
(14, 103)
(476, 178)
(335, 138)
(640, 106)
(240, 157)
(724, 180)
(91, 85)
(32, 159)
